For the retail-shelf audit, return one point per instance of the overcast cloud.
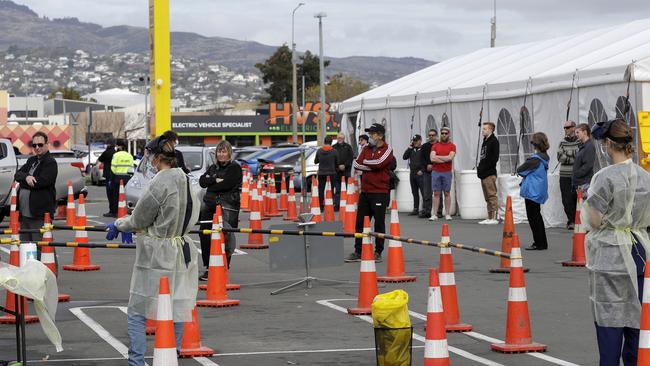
(435, 30)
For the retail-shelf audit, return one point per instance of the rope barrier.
(479, 250)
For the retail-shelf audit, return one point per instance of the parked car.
(287, 164)
(70, 168)
(252, 161)
(243, 152)
(197, 159)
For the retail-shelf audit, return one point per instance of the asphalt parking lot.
(310, 326)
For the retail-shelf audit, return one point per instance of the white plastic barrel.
(403, 191)
(470, 196)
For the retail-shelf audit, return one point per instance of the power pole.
(493, 22)
(322, 130)
(294, 82)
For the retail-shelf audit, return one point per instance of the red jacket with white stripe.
(375, 164)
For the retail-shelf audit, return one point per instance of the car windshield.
(193, 160)
(253, 155)
(290, 158)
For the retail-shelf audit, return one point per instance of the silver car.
(197, 159)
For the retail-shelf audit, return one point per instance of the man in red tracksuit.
(374, 161)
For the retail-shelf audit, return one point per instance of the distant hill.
(20, 26)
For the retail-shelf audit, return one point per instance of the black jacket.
(42, 197)
(105, 158)
(412, 154)
(226, 192)
(487, 166)
(180, 162)
(346, 155)
(425, 155)
(327, 159)
(583, 165)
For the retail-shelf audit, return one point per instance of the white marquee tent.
(523, 88)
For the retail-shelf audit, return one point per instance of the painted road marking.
(418, 337)
(236, 354)
(489, 339)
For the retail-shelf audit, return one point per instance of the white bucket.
(27, 252)
(403, 193)
(471, 202)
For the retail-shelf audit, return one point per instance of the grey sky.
(434, 30)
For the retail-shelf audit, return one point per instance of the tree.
(276, 72)
(68, 93)
(339, 88)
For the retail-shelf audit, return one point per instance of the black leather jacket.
(227, 191)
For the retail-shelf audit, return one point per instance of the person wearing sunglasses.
(566, 154)
(37, 191)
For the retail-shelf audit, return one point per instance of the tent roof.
(596, 57)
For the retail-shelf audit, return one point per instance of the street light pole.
(145, 81)
(322, 131)
(493, 28)
(294, 87)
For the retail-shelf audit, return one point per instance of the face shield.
(599, 133)
(153, 148)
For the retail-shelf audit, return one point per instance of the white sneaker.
(433, 218)
(486, 221)
(492, 222)
(448, 217)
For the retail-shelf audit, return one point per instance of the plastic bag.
(390, 310)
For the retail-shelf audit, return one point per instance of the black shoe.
(424, 216)
(204, 276)
(532, 247)
(570, 226)
(353, 257)
(109, 214)
(413, 213)
(377, 257)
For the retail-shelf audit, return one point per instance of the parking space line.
(489, 339)
(101, 331)
(418, 337)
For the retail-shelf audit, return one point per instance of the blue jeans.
(138, 338)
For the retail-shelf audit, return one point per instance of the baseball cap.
(417, 137)
(376, 127)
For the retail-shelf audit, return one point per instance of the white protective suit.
(620, 195)
(37, 282)
(158, 221)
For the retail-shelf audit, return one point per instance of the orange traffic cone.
(395, 267)
(328, 203)
(191, 344)
(578, 258)
(644, 336)
(81, 260)
(216, 293)
(448, 287)
(273, 198)
(255, 241)
(284, 201)
(261, 196)
(518, 332)
(14, 215)
(217, 222)
(292, 215)
(164, 352)
(315, 202)
(11, 302)
(436, 352)
(506, 241)
(245, 192)
(48, 255)
(367, 276)
(350, 209)
(343, 201)
(121, 201)
(70, 215)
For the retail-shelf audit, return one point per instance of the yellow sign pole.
(159, 66)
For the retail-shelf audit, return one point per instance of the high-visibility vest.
(121, 163)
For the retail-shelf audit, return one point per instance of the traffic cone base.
(229, 287)
(64, 298)
(518, 348)
(455, 328)
(82, 268)
(574, 264)
(505, 270)
(396, 279)
(10, 319)
(360, 311)
(197, 352)
(217, 303)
